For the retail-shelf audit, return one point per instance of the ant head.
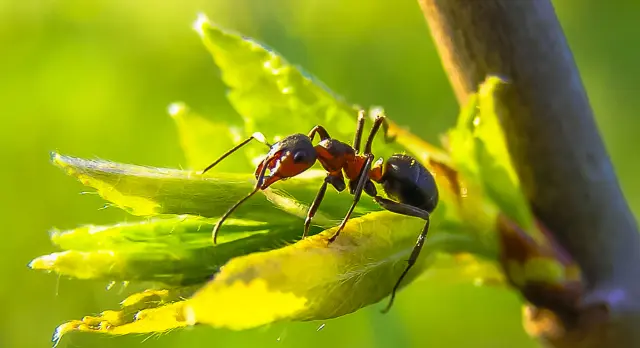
(286, 159)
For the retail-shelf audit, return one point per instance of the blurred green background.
(94, 78)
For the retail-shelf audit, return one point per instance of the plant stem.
(552, 137)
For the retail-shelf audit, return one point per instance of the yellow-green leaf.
(147, 191)
(273, 96)
(171, 251)
(308, 280)
(203, 140)
(479, 151)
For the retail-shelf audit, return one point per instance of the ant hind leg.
(359, 129)
(402, 208)
(412, 260)
(405, 209)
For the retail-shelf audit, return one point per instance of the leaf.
(424, 152)
(150, 311)
(147, 191)
(462, 142)
(202, 140)
(479, 151)
(532, 260)
(323, 281)
(500, 178)
(173, 251)
(308, 280)
(274, 97)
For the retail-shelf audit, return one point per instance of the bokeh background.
(94, 78)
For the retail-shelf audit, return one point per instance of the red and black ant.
(402, 177)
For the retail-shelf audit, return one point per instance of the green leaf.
(150, 311)
(147, 191)
(358, 269)
(273, 96)
(499, 176)
(202, 140)
(479, 151)
(172, 251)
(178, 250)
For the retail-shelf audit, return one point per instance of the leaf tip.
(56, 158)
(55, 235)
(493, 81)
(177, 109)
(491, 86)
(201, 23)
(60, 331)
(44, 262)
(66, 163)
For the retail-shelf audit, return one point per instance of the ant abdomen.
(408, 181)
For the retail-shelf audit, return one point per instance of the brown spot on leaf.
(450, 175)
(561, 295)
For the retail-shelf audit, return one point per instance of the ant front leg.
(405, 209)
(338, 183)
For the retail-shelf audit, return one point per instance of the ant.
(411, 185)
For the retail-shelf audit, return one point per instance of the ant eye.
(300, 156)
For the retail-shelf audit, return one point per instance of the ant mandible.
(402, 177)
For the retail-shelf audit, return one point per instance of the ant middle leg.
(406, 209)
(360, 128)
(320, 131)
(363, 178)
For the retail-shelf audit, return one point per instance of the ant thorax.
(334, 155)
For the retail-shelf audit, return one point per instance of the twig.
(552, 137)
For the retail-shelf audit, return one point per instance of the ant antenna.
(257, 136)
(260, 178)
(226, 215)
